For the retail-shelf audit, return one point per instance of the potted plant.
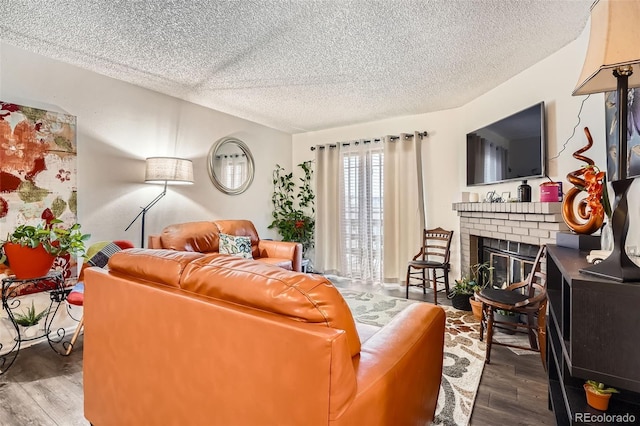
(465, 288)
(598, 395)
(31, 250)
(476, 307)
(294, 206)
(28, 319)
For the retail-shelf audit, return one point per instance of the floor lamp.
(612, 55)
(167, 171)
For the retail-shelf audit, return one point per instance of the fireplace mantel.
(531, 223)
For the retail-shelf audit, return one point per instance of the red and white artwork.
(37, 167)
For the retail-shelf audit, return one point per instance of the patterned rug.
(463, 353)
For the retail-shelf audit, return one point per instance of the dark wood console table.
(593, 332)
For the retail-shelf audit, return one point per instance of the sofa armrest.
(399, 370)
(154, 242)
(282, 250)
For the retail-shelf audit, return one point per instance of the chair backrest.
(436, 243)
(537, 278)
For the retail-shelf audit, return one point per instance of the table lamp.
(167, 171)
(612, 57)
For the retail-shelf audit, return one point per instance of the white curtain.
(349, 210)
(404, 218)
(369, 208)
(328, 210)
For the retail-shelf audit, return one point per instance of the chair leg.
(489, 334)
(446, 280)
(483, 321)
(424, 281)
(75, 335)
(434, 280)
(408, 274)
(532, 333)
(542, 339)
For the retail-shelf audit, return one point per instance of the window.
(362, 218)
(234, 170)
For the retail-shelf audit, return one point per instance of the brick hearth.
(531, 223)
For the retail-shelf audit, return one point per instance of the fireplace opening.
(511, 261)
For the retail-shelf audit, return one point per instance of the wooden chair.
(433, 257)
(528, 297)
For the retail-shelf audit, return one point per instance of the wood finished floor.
(513, 388)
(43, 388)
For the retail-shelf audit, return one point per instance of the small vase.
(597, 400)
(606, 237)
(28, 332)
(26, 262)
(476, 307)
(461, 302)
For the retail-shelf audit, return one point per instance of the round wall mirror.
(230, 165)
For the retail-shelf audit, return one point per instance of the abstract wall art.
(37, 167)
(633, 133)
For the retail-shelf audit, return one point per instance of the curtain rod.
(333, 145)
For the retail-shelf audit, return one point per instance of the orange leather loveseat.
(182, 338)
(204, 237)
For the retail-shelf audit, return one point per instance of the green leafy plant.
(56, 240)
(30, 317)
(505, 313)
(600, 388)
(474, 281)
(294, 206)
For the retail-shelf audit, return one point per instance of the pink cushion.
(76, 298)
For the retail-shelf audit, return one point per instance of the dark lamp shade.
(170, 170)
(613, 43)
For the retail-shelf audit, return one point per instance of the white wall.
(444, 160)
(119, 125)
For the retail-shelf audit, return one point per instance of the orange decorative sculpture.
(584, 215)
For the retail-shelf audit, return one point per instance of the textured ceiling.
(301, 66)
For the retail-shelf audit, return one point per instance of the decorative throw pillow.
(235, 245)
(101, 258)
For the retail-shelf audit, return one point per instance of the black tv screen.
(509, 149)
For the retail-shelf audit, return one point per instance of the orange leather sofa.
(183, 338)
(203, 237)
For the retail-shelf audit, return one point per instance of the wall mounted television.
(510, 149)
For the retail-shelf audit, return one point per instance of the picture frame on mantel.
(633, 133)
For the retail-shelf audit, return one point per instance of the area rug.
(464, 354)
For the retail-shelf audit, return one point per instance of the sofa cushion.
(235, 245)
(162, 266)
(201, 237)
(243, 228)
(282, 263)
(302, 297)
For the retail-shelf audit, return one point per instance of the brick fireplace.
(506, 225)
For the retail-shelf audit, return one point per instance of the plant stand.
(13, 287)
